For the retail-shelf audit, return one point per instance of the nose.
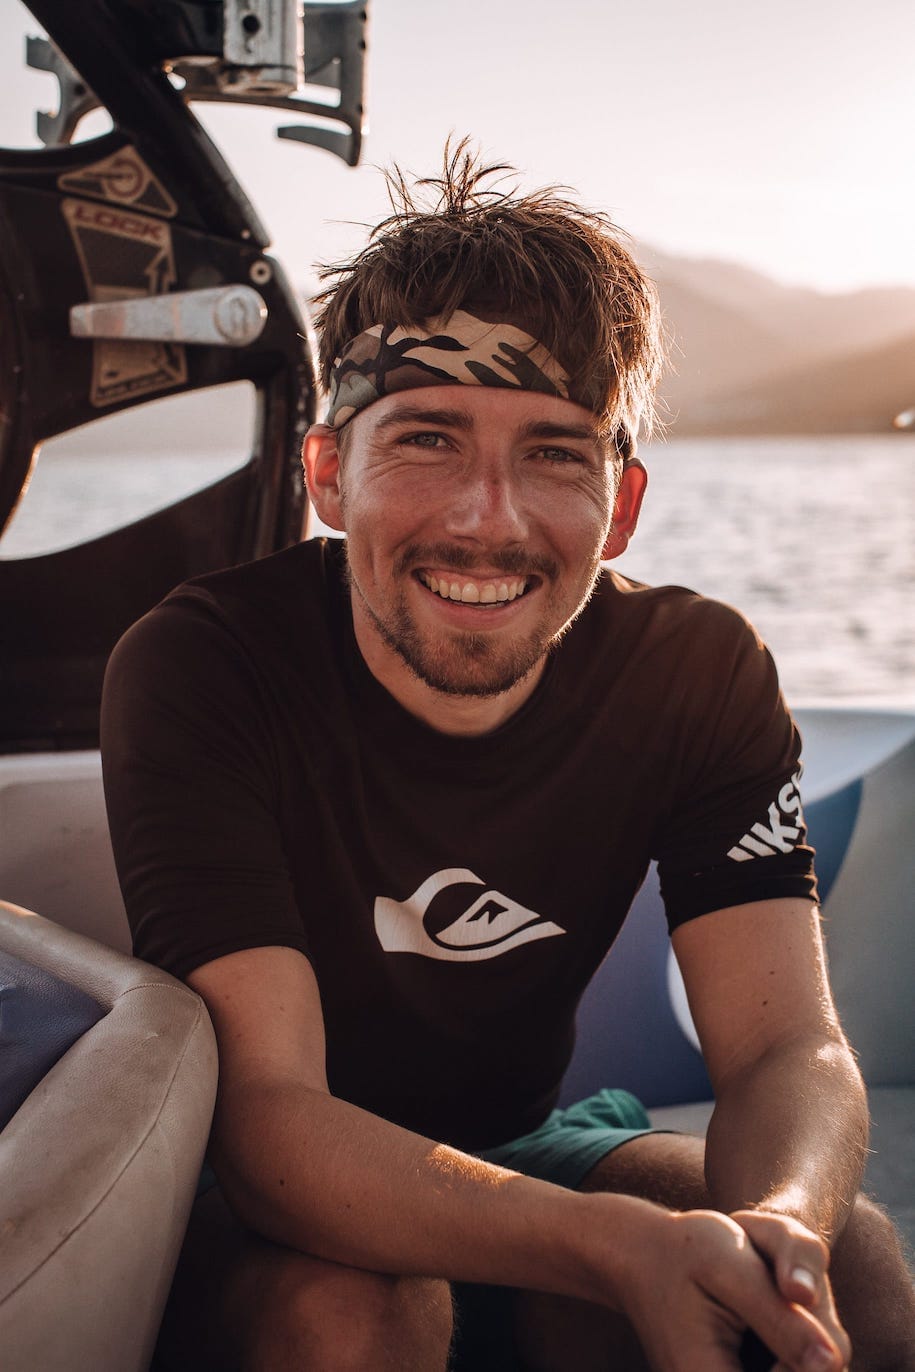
(488, 509)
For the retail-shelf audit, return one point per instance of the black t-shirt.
(454, 895)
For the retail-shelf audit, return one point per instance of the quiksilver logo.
(491, 925)
(780, 835)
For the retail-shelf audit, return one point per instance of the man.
(384, 805)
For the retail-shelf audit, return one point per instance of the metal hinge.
(228, 316)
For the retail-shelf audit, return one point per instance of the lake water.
(813, 538)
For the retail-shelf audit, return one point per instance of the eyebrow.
(544, 428)
(414, 414)
(460, 419)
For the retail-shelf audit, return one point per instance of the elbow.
(814, 1070)
(807, 1056)
(263, 1177)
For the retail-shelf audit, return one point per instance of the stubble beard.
(466, 664)
(461, 664)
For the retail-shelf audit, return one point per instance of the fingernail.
(804, 1278)
(819, 1359)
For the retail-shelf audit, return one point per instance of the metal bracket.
(269, 49)
(76, 99)
(228, 316)
(334, 55)
(260, 46)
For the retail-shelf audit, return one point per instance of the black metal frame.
(149, 207)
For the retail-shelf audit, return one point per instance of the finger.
(800, 1339)
(794, 1344)
(799, 1342)
(799, 1259)
(801, 1273)
(799, 1284)
(824, 1310)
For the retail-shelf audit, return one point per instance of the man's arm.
(316, 1173)
(789, 1132)
(788, 1135)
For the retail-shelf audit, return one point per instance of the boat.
(162, 283)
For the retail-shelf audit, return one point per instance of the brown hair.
(562, 272)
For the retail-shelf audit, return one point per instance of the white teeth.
(492, 593)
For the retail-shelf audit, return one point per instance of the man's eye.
(560, 456)
(424, 440)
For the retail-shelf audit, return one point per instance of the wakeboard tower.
(133, 266)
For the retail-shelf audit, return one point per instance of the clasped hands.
(706, 1277)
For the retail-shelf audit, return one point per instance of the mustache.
(511, 561)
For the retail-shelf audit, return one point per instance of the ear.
(626, 510)
(321, 462)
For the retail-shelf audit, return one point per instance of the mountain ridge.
(753, 355)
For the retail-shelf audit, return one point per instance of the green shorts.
(570, 1142)
(563, 1150)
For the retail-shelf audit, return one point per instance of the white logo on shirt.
(764, 840)
(491, 925)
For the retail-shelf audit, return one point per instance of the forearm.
(789, 1134)
(316, 1173)
(312, 1172)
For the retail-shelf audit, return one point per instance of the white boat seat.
(100, 1160)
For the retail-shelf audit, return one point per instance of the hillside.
(696, 325)
(856, 393)
(752, 355)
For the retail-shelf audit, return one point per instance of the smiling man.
(384, 803)
(496, 510)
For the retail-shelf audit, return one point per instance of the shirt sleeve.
(735, 832)
(191, 788)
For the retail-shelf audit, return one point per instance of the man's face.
(476, 518)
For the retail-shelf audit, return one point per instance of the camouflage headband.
(461, 350)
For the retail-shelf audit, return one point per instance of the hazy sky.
(780, 134)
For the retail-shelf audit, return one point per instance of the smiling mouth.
(489, 592)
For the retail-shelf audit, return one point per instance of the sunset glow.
(783, 138)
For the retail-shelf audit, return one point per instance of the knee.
(405, 1322)
(869, 1231)
(874, 1292)
(346, 1320)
